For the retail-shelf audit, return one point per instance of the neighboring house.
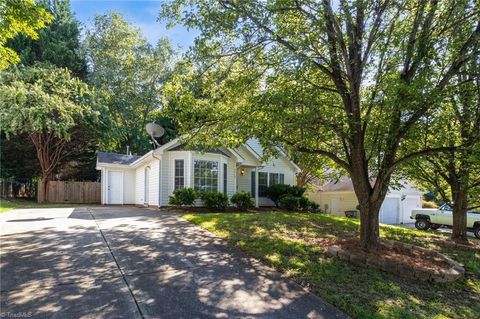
(152, 178)
(337, 197)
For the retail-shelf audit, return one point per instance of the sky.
(141, 13)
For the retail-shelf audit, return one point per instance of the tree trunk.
(370, 200)
(460, 204)
(42, 195)
(369, 228)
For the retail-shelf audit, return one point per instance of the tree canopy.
(19, 17)
(128, 73)
(348, 81)
(58, 43)
(45, 103)
(454, 174)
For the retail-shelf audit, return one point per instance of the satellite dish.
(154, 130)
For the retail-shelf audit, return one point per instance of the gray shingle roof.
(182, 147)
(115, 158)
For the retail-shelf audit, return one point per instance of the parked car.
(434, 218)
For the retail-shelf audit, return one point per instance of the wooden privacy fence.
(73, 192)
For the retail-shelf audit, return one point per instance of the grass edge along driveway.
(292, 244)
(11, 204)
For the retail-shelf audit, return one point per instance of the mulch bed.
(399, 254)
(473, 245)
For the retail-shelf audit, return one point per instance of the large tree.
(45, 103)
(58, 43)
(19, 17)
(128, 73)
(347, 80)
(454, 174)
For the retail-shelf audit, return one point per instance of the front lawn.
(9, 204)
(291, 243)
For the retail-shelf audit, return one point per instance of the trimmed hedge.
(242, 200)
(183, 197)
(277, 191)
(214, 200)
(292, 203)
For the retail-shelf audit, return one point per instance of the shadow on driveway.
(126, 262)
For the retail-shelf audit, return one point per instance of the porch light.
(242, 171)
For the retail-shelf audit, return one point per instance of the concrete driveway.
(125, 262)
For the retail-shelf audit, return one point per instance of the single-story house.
(150, 179)
(336, 197)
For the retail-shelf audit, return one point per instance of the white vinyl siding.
(335, 203)
(189, 157)
(162, 174)
(129, 186)
(278, 166)
(394, 209)
(153, 186)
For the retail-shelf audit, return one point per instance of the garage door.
(389, 211)
(409, 204)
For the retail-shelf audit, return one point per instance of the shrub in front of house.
(183, 197)
(298, 203)
(314, 207)
(290, 202)
(242, 200)
(277, 191)
(306, 205)
(214, 200)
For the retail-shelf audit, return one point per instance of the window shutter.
(225, 178)
(253, 184)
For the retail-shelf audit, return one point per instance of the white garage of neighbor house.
(337, 197)
(150, 179)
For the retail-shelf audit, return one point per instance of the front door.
(115, 187)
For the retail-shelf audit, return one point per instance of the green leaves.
(128, 73)
(42, 99)
(19, 16)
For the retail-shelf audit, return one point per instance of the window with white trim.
(262, 184)
(273, 179)
(205, 176)
(179, 179)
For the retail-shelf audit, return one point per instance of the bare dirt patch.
(399, 258)
(401, 254)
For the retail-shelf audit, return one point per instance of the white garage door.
(115, 187)
(389, 211)
(409, 204)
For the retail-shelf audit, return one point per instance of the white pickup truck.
(434, 218)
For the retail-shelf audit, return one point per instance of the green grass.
(9, 204)
(289, 243)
